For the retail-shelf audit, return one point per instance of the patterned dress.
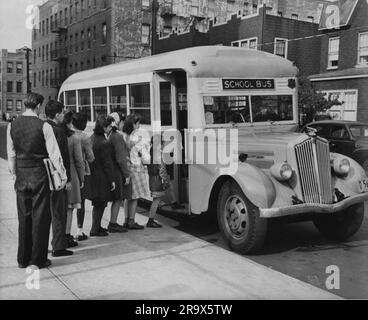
(139, 155)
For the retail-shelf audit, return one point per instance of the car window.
(339, 132)
(359, 131)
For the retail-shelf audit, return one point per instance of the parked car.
(349, 138)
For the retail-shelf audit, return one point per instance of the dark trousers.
(97, 214)
(34, 216)
(59, 209)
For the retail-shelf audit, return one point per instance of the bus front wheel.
(341, 225)
(239, 220)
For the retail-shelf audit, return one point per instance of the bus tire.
(239, 220)
(341, 225)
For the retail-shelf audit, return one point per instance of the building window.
(167, 30)
(104, 33)
(250, 43)
(89, 37)
(82, 40)
(43, 78)
(34, 56)
(18, 106)
(47, 52)
(281, 47)
(19, 87)
(35, 79)
(145, 33)
(94, 33)
(10, 67)
(145, 3)
(10, 86)
(9, 105)
(76, 42)
(333, 53)
(363, 49)
(47, 26)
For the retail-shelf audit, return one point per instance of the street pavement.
(151, 264)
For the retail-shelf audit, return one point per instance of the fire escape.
(59, 54)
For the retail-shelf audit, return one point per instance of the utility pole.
(154, 11)
(27, 50)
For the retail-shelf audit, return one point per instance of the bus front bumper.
(313, 207)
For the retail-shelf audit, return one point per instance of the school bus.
(218, 99)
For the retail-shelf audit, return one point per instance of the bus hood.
(266, 140)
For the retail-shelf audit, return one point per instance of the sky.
(13, 31)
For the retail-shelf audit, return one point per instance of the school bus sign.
(336, 14)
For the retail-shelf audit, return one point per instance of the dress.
(77, 171)
(98, 184)
(120, 155)
(139, 154)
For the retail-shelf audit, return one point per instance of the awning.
(350, 73)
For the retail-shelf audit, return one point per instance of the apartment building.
(343, 72)
(76, 35)
(13, 82)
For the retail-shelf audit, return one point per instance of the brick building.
(263, 30)
(178, 15)
(343, 73)
(13, 82)
(75, 35)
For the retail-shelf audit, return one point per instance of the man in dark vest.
(54, 111)
(29, 141)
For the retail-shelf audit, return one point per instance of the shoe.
(103, 229)
(135, 226)
(62, 253)
(45, 265)
(22, 266)
(71, 243)
(153, 224)
(82, 237)
(125, 225)
(98, 234)
(116, 228)
(177, 206)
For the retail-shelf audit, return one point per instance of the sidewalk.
(159, 264)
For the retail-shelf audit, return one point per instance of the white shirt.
(52, 147)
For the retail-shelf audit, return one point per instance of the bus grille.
(314, 171)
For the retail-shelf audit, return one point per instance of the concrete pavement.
(152, 264)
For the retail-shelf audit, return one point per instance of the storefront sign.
(249, 84)
(336, 14)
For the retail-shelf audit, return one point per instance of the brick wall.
(348, 51)
(304, 52)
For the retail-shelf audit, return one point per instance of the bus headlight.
(282, 171)
(341, 165)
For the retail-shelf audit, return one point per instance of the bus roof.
(199, 62)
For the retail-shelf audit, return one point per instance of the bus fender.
(256, 185)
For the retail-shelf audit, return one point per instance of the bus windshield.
(248, 109)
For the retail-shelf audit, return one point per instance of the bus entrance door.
(166, 112)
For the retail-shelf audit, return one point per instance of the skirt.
(74, 195)
(139, 185)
